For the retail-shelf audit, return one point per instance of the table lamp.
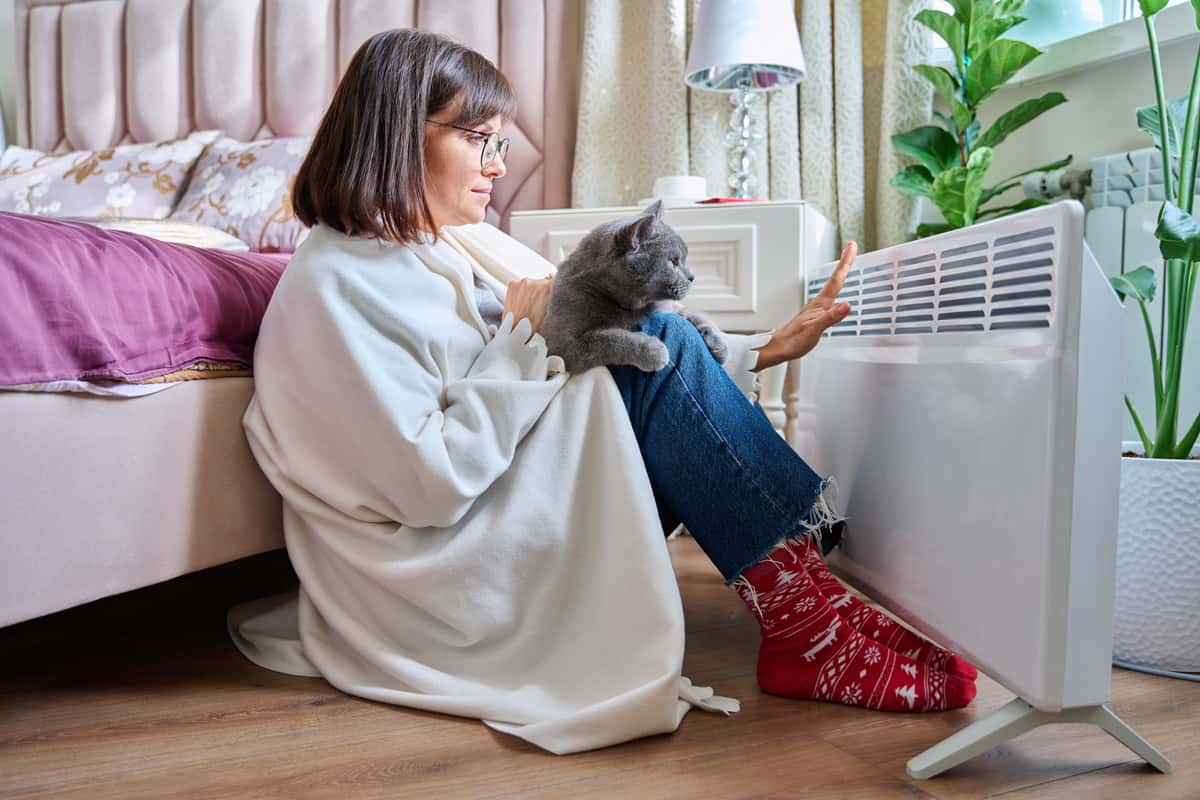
(744, 47)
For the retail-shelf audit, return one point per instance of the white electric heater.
(970, 410)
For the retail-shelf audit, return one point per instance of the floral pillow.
(134, 180)
(245, 188)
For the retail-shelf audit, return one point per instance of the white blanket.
(475, 534)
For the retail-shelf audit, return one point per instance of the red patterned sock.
(809, 651)
(875, 624)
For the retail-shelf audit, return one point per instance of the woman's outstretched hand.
(802, 332)
(528, 297)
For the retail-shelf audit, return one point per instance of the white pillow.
(170, 230)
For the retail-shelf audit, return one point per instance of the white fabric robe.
(474, 533)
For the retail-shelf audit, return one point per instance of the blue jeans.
(715, 463)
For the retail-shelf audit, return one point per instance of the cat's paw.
(714, 340)
(652, 356)
(716, 345)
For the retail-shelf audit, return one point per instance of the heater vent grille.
(977, 281)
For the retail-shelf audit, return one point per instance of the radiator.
(970, 411)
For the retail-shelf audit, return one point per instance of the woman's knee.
(676, 332)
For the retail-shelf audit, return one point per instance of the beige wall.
(8, 70)
(1098, 118)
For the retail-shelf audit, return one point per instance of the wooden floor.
(142, 695)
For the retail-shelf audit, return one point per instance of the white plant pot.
(1156, 619)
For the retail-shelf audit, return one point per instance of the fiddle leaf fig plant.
(1175, 127)
(953, 158)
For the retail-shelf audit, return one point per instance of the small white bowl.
(670, 202)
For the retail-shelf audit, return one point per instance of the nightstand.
(750, 261)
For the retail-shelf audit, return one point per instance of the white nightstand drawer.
(749, 258)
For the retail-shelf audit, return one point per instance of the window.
(1050, 21)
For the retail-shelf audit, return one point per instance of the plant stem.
(1167, 428)
(1158, 385)
(1195, 159)
(1188, 291)
(1161, 97)
(1147, 448)
(1187, 149)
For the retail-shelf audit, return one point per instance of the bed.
(100, 495)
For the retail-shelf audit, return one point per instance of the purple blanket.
(83, 303)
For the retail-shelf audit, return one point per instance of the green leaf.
(1147, 120)
(962, 9)
(1009, 8)
(945, 84)
(1141, 284)
(1178, 233)
(1196, 9)
(915, 180)
(977, 167)
(1147, 447)
(1151, 7)
(945, 26)
(1004, 211)
(949, 194)
(993, 18)
(1015, 180)
(933, 228)
(1021, 115)
(1189, 440)
(929, 144)
(963, 116)
(947, 121)
(957, 191)
(1001, 60)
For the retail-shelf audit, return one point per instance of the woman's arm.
(466, 442)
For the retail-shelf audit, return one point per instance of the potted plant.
(954, 158)
(1157, 615)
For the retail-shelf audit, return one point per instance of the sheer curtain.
(826, 141)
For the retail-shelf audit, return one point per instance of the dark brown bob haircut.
(364, 174)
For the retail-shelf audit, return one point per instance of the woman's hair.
(364, 174)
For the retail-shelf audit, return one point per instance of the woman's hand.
(802, 332)
(528, 297)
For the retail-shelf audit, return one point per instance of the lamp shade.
(751, 42)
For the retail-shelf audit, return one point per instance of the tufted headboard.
(93, 73)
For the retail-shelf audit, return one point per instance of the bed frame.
(103, 495)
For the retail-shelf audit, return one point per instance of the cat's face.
(643, 258)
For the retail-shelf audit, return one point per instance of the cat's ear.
(633, 234)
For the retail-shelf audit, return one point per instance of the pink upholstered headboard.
(92, 73)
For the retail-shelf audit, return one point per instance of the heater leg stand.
(1019, 717)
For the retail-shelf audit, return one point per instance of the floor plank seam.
(1049, 781)
(879, 770)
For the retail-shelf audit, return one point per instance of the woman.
(477, 533)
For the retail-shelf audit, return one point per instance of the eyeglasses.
(493, 146)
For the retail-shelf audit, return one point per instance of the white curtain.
(826, 141)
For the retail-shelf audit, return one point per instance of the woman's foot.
(809, 651)
(875, 624)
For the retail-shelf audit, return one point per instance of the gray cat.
(621, 272)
